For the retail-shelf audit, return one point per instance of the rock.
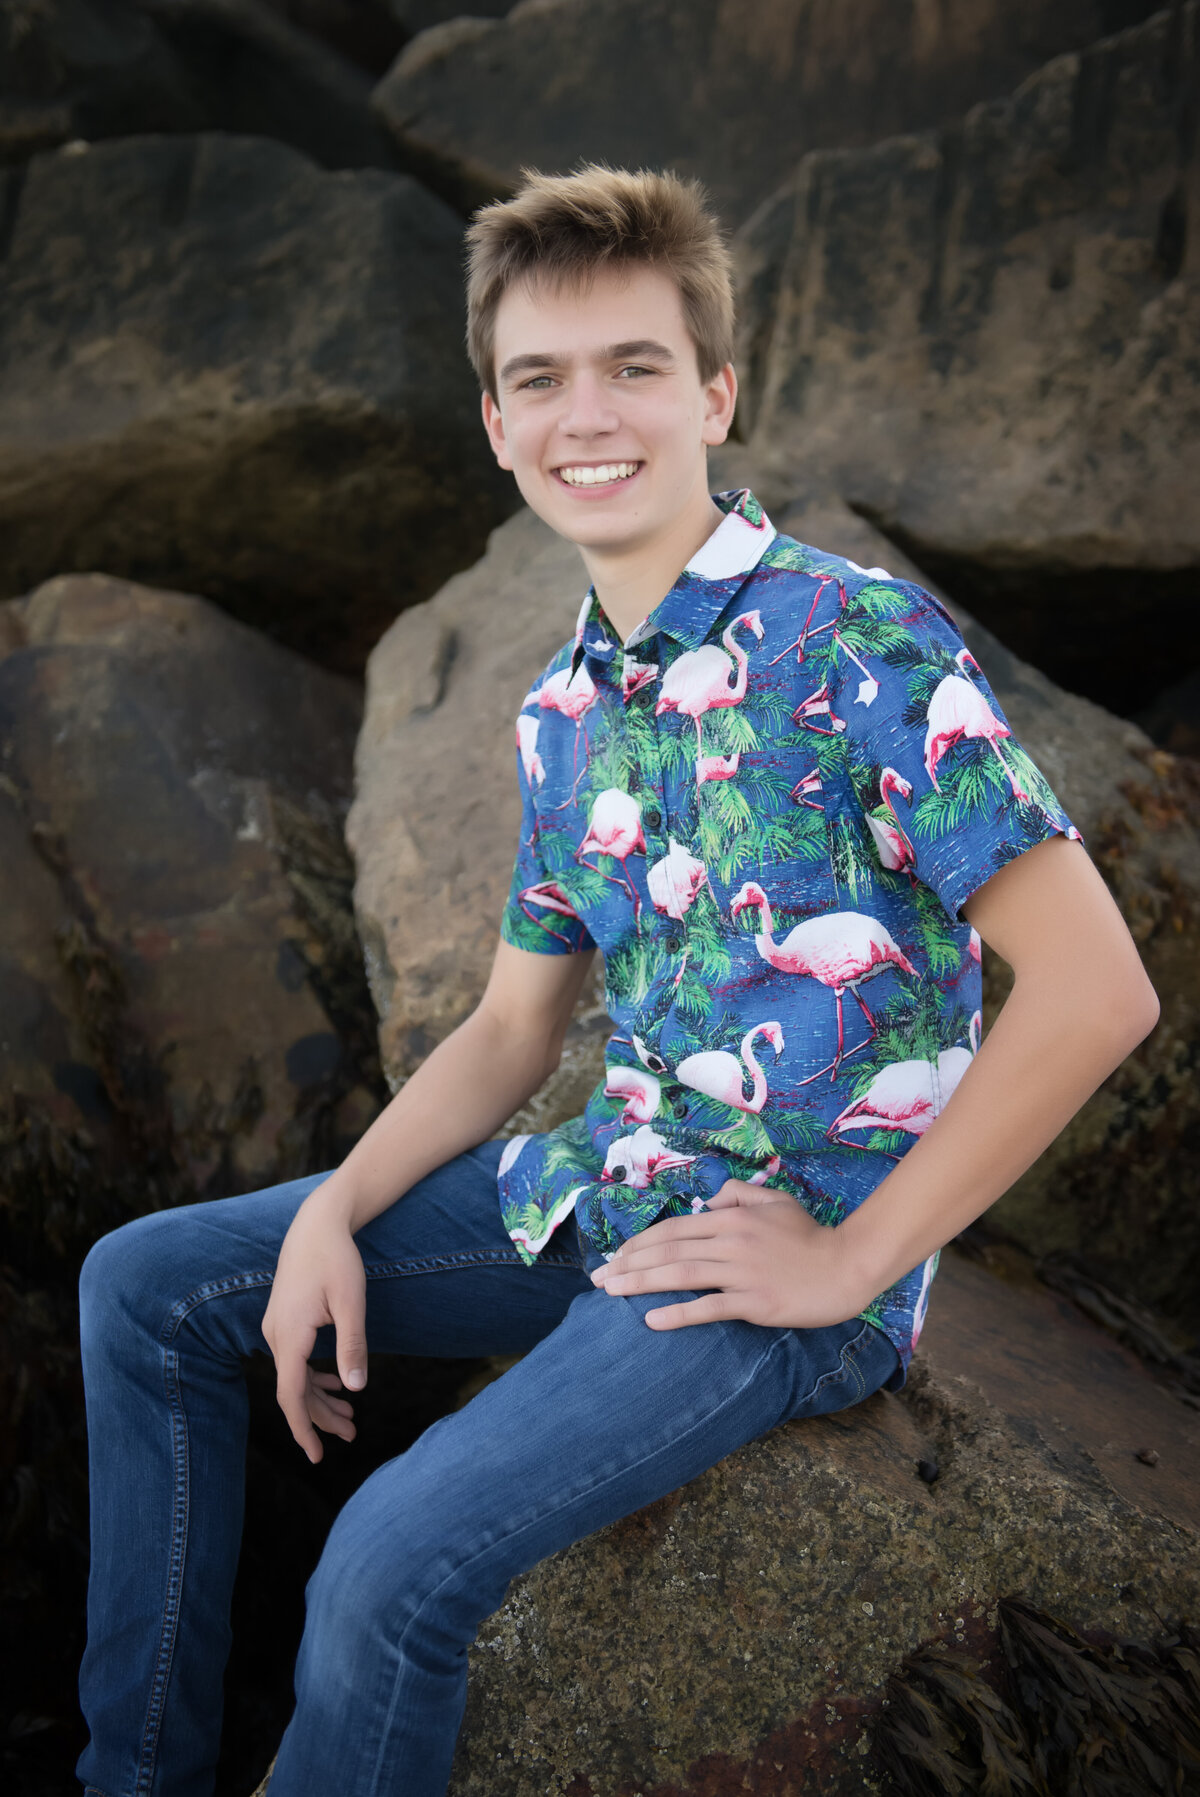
(224, 369)
(182, 993)
(732, 94)
(1173, 719)
(433, 831)
(370, 33)
(986, 338)
(419, 15)
(87, 69)
(741, 1633)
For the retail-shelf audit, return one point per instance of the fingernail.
(356, 1378)
(599, 1276)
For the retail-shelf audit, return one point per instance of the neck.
(631, 581)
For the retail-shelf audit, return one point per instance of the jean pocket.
(841, 1366)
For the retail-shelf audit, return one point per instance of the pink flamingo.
(868, 687)
(905, 1095)
(634, 1160)
(840, 949)
(810, 783)
(818, 705)
(975, 946)
(641, 1092)
(615, 828)
(549, 896)
(635, 675)
(527, 735)
(756, 1179)
(717, 767)
(572, 695)
(958, 711)
(801, 642)
(675, 880)
(895, 849)
(719, 1074)
(699, 681)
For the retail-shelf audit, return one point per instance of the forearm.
(1046, 1054)
(459, 1096)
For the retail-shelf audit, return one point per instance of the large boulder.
(72, 69)
(986, 337)
(183, 1001)
(433, 831)
(224, 369)
(733, 94)
(748, 1631)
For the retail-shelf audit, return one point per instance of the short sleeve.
(538, 915)
(947, 793)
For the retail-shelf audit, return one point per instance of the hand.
(770, 1261)
(319, 1279)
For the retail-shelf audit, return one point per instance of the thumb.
(350, 1325)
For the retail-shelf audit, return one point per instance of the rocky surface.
(182, 992)
(986, 337)
(739, 1634)
(733, 94)
(87, 69)
(434, 824)
(223, 368)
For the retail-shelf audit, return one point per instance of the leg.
(602, 1417)
(168, 1307)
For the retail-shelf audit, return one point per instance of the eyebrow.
(638, 349)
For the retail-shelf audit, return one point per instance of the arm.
(460, 1096)
(1080, 1002)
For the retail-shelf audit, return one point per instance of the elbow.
(1132, 1013)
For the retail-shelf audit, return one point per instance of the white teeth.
(598, 477)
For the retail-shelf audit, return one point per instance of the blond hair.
(566, 227)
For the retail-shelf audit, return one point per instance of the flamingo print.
(573, 695)
(675, 880)
(810, 782)
(641, 1092)
(840, 949)
(531, 761)
(699, 681)
(635, 1160)
(868, 687)
(958, 711)
(906, 1094)
(896, 851)
(615, 828)
(719, 1074)
(818, 705)
(635, 675)
(548, 895)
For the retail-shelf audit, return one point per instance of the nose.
(589, 411)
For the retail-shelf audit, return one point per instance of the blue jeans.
(602, 1416)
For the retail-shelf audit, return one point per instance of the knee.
(121, 1280)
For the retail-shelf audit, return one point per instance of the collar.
(701, 593)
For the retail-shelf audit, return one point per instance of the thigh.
(443, 1277)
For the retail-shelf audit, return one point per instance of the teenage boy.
(775, 790)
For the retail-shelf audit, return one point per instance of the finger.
(326, 1381)
(678, 1276)
(717, 1307)
(334, 1421)
(291, 1392)
(350, 1322)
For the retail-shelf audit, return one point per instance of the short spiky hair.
(566, 227)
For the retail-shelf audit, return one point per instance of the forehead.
(580, 319)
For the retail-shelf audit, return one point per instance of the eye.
(536, 382)
(635, 368)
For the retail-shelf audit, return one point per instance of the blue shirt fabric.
(766, 808)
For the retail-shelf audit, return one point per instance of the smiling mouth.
(605, 474)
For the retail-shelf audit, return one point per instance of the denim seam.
(534, 1521)
(847, 1363)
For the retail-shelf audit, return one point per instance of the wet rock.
(88, 69)
(731, 94)
(985, 335)
(224, 369)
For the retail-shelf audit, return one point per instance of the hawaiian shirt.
(766, 807)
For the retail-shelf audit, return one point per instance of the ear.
(493, 424)
(720, 398)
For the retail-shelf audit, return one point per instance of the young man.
(776, 791)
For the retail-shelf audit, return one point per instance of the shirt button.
(672, 944)
(680, 1107)
(653, 817)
